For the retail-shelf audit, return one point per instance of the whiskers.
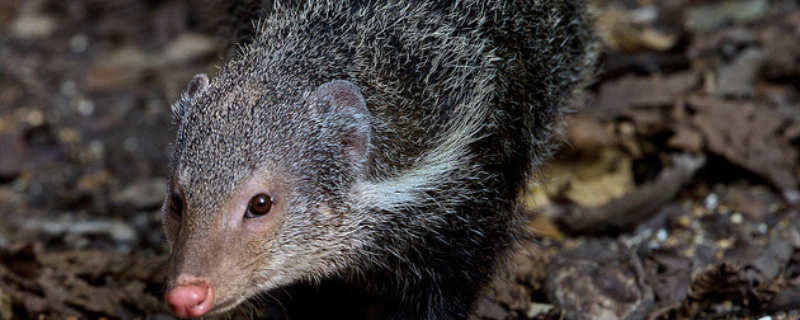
(260, 306)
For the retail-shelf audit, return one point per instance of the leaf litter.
(674, 195)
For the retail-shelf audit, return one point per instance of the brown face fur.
(231, 255)
(219, 167)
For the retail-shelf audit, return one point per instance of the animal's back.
(428, 66)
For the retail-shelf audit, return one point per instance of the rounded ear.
(198, 85)
(342, 108)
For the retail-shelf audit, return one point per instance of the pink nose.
(190, 300)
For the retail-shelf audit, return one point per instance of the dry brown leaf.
(77, 283)
(619, 32)
(748, 135)
(543, 227)
(595, 179)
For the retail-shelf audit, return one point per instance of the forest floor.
(674, 195)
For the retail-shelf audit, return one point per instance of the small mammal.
(375, 147)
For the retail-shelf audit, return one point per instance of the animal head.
(258, 193)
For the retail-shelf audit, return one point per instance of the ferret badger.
(374, 147)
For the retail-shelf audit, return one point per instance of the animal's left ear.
(342, 109)
(198, 85)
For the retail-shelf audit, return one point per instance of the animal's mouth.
(231, 303)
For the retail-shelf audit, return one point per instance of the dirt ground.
(675, 194)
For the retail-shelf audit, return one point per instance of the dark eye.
(259, 205)
(176, 204)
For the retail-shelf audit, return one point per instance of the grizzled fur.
(412, 218)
